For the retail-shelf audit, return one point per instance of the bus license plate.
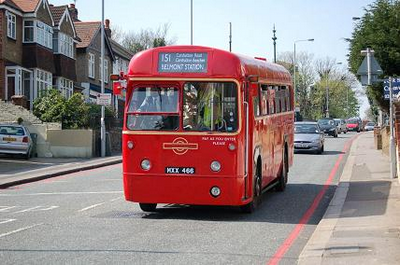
(180, 170)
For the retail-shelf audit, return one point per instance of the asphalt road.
(82, 218)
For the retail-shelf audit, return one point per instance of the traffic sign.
(103, 99)
(395, 88)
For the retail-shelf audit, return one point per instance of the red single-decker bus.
(204, 126)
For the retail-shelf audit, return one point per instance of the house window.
(39, 32)
(66, 45)
(29, 31)
(11, 25)
(66, 87)
(44, 81)
(105, 71)
(91, 65)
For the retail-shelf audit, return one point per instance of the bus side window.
(264, 98)
(283, 98)
(271, 100)
(256, 106)
(277, 100)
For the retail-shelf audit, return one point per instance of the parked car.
(354, 124)
(308, 137)
(15, 139)
(328, 126)
(369, 126)
(341, 125)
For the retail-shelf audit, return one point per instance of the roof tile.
(57, 12)
(86, 32)
(27, 5)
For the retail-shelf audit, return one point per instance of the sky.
(326, 21)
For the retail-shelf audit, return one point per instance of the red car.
(354, 125)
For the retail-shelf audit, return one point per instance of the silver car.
(15, 139)
(341, 125)
(308, 137)
(369, 126)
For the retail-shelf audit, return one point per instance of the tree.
(75, 114)
(315, 79)
(378, 29)
(146, 39)
(305, 77)
(49, 106)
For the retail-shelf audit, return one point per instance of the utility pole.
(102, 122)
(327, 98)
(191, 22)
(274, 38)
(230, 36)
(391, 142)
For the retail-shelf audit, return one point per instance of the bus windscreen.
(153, 108)
(210, 106)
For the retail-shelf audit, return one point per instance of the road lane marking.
(91, 207)
(4, 221)
(27, 210)
(116, 199)
(38, 208)
(18, 230)
(61, 193)
(310, 211)
(6, 208)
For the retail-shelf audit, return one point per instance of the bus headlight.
(215, 191)
(215, 166)
(146, 165)
(130, 145)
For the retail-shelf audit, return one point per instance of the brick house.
(64, 46)
(89, 59)
(31, 49)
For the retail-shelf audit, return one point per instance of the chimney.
(107, 29)
(73, 11)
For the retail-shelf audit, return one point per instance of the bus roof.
(219, 64)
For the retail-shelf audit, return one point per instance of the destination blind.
(182, 62)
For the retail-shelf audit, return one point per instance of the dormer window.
(11, 25)
(39, 32)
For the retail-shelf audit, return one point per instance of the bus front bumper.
(192, 190)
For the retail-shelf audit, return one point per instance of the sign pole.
(392, 145)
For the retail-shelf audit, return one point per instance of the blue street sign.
(395, 87)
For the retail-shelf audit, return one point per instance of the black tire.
(283, 178)
(321, 150)
(252, 206)
(345, 132)
(148, 207)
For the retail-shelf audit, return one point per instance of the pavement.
(362, 222)
(15, 171)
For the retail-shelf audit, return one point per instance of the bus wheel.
(148, 207)
(251, 207)
(283, 178)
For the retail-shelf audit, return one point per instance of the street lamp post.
(294, 68)
(327, 94)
